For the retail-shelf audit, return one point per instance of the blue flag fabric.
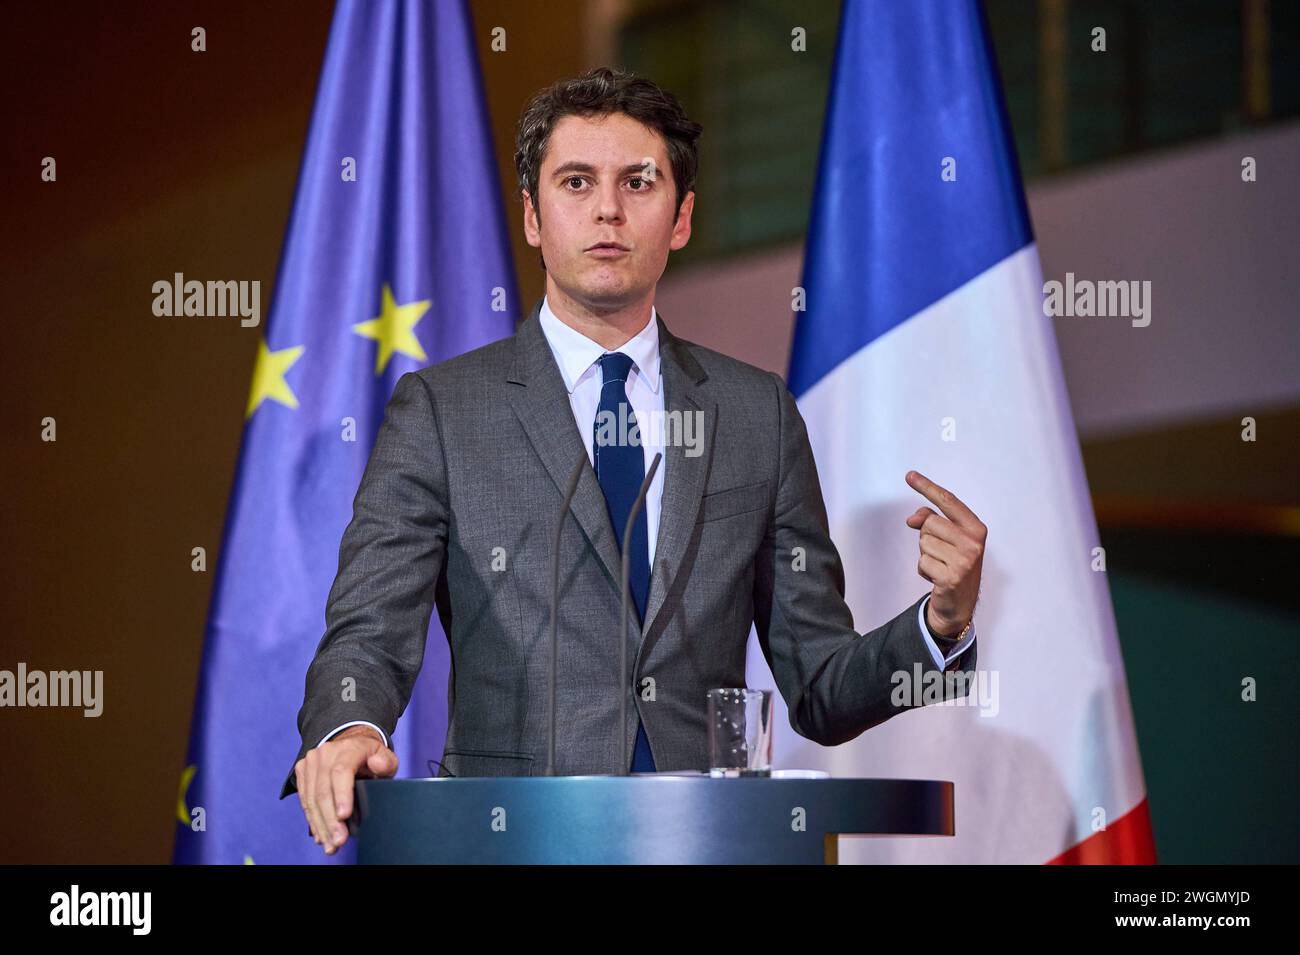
(396, 257)
(918, 189)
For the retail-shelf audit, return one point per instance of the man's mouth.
(608, 247)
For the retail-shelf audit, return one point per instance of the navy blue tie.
(620, 467)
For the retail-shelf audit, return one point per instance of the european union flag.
(396, 257)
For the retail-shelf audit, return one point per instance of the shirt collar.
(574, 352)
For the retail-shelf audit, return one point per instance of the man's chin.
(607, 296)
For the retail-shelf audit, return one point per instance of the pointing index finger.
(942, 498)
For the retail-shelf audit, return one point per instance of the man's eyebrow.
(574, 165)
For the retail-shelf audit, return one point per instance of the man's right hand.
(325, 776)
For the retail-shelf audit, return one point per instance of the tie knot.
(614, 366)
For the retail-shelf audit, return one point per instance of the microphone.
(627, 576)
(555, 601)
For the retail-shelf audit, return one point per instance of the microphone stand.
(627, 573)
(555, 600)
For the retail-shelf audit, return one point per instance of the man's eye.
(573, 179)
(639, 179)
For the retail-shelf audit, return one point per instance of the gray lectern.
(636, 819)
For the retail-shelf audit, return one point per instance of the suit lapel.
(685, 476)
(543, 408)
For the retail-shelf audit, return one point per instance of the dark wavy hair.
(600, 92)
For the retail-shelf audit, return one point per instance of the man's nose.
(609, 207)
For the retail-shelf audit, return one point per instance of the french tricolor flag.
(923, 345)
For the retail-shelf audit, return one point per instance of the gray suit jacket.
(474, 454)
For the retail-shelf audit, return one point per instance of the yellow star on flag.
(268, 377)
(394, 329)
(182, 810)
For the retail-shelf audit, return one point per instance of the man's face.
(606, 179)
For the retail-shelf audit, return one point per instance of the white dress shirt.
(576, 355)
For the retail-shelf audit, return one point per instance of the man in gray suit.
(459, 500)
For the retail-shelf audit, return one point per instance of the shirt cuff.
(340, 729)
(940, 661)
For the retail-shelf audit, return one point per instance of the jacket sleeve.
(390, 559)
(836, 682)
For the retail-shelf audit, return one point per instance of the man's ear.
(532, 222)
(682, 227)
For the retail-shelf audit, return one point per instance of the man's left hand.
(952, 555)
